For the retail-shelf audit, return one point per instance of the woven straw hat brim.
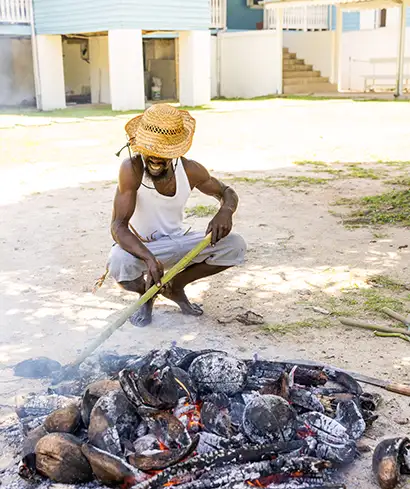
(161, 145)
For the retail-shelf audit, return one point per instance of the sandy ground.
(58, 179)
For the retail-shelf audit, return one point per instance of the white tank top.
(157, 215)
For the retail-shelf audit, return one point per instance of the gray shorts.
(229, 251)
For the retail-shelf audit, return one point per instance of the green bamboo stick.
(392, 335)
(129, 311)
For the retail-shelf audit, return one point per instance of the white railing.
(15, 11)
(218, 14)
(309, 18)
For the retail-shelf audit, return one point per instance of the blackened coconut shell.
(64, 420)
(218, 373)
(59, 457)
(269, 418)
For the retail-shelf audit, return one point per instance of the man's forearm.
(229, 200)
(129, 242)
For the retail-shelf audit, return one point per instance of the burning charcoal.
(108, 469)
(370, 401)
(304, 399)
(189, 414)
(163, 459)
(208, 442)
(264, 369)
(388, 461)
(269, 418)
(111, 419)
(40, 405)
(146, 443)
(216, 420)
(27, 468)
(310, 376)
(219, 459)
(36, 368)
(59, 457)
(171, 357)
(345, 380)
(323, 428)
(168, 430)
(92, 393)
(349, 416)
(236, 412)
(220, 400)
(279, 387)
(218, 373)
(342, 453)
(64, 420)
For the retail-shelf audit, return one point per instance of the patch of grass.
(360, 172)
(293, 181)
(375, 302)
(343, 201)
(402, 181)
(387, 208)
(202, 210)
(385, 282)
(297, 325)
(330, 171)
(250, 180)
(310, 163)
(379, 235)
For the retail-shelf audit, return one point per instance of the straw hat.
(161, 131)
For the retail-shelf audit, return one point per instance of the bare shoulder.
(131, 171)
(197, 174)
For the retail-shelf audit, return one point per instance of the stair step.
(301, 74)
(305, 80)
(289, 68)
(310, 88)
(289, 55)
(285, 50)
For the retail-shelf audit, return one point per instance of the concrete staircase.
(299, 77)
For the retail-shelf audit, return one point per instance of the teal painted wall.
(408, 16)
(76, 16)
(241, 17)
(15, 30)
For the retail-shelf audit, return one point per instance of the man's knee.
(123, 266)
(238, 244)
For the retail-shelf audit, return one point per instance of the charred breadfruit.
(268, 419)
(389, 460)
(64, 420)
(27, 467)
(59, 457)
(218, 373)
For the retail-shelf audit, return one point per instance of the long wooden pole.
(373, 327)
(129, 311)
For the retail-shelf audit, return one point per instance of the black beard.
(157, 178)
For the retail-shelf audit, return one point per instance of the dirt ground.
(58, 179)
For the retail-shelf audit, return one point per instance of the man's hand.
(220, 226)
(155, 271)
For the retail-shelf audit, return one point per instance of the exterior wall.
(214, 67)
(241, 17)
(360, 46)
(351, 20)
(76, 70)
(314, 47)
(16, 72)
(253, 73)
(99, 70)
(76, 16)
(368, 18)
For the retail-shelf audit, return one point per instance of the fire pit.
(195, 420)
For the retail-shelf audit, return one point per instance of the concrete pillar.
(401, 50)
(194, 68)
(336, 75)
(99, 70)
(50, 72)
(126, 69)
(279, 49)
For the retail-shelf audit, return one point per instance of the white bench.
(371, 81)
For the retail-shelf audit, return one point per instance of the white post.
(126, 69)
(279, 49)
(336, 76)
(402, 46)
(194, 68)
(51, 72)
